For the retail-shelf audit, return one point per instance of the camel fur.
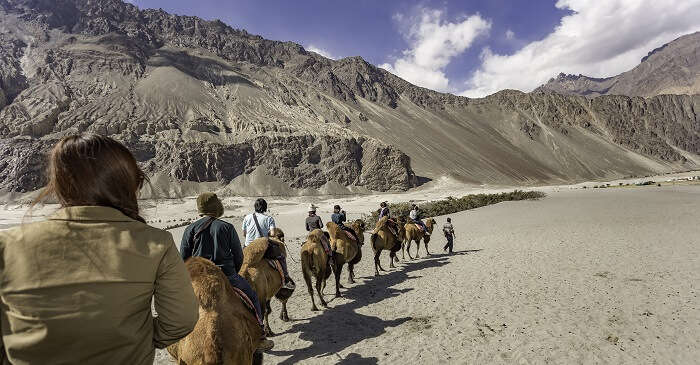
(383, 239)
(315, 264)
(359, 227)
(344, 251)
(265, 280)
(413, 233)
(227, 332)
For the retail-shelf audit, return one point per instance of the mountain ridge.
(198, 101)
(673, 68)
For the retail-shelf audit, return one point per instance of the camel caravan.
(234, 306)
(221, 318)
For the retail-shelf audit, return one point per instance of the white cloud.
(510, 34)
(320, 51)
(600, 39)
(433, 43)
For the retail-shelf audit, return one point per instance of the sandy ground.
(582, 276)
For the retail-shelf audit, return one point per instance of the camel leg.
(267, 309)
(392, 255)
(351, 273)
(403, 255)
(338, 284)
(257, 358)
(417, 248)
(426, 249)
(319, 288)
(337, 280)
(284, 316)
(376, 259)
(307, 279)
(376, 263)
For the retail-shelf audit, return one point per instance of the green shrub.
(454, 205)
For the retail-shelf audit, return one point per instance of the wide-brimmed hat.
(312, 208)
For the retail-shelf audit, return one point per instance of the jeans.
(275, 252)
(450, 242)
(241, 283)
(420, 223)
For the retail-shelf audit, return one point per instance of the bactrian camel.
(384, 239)
(359, 227)
(315, 264)
(345, 251)
(266, 280)
(227, 331)
(413, 233)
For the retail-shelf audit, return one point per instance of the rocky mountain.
(203, 105)
(673, 68)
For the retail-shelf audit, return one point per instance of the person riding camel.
(314, 222)
(339, 217)
(415, 217)
(258, 224)
(384, 212)
(217, 241)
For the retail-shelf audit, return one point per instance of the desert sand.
(581, 276)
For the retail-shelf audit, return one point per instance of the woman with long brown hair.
(77, 288)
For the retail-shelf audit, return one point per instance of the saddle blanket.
(350, 235)
(248, 303)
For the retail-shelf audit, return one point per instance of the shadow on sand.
(339, 327)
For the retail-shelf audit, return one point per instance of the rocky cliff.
(198, 101)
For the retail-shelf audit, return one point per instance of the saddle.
(247, 302)
(392, 226)
(277, 266)
(420, 228)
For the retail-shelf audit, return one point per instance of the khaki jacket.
(77, 289)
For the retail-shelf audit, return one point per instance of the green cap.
(209, 204)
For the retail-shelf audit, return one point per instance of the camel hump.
(334, 230)
(254, 252)
(381, 223)
(208, 281)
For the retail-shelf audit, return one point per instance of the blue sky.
(471, 48)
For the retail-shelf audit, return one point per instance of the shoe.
(289, 284)
(265, 345)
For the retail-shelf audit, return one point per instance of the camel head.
(277, 234)
(430, 223)
(359, 225)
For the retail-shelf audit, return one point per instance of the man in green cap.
(217, 241)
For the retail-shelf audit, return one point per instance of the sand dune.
(582, 276)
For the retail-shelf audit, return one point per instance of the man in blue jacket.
(217, 241)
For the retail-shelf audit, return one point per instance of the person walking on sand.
(415, 217)
(257, 225)
(449, 232)
(218, 242)
(77, 287)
